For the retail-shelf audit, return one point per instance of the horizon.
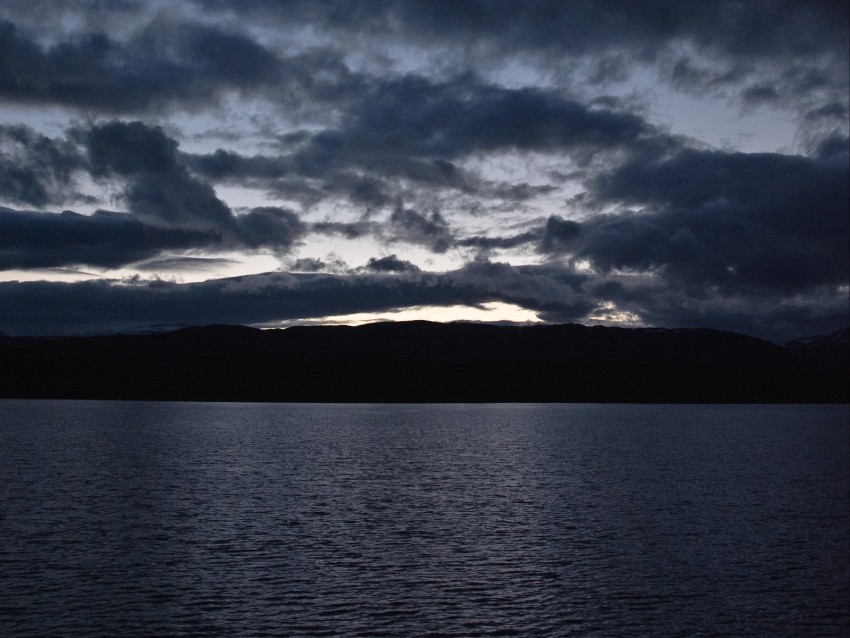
(160, 329)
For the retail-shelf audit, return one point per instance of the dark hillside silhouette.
(425, 362)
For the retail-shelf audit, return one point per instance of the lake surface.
(139, 519)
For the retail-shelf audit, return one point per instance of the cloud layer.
(453, 153)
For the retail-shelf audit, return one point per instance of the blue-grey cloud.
(559, 235)
(103, 305)
(167, 207)
(405, 137)
(431, 231)
(495, 242)
(667, 229)
(699, 47)
(414, 117)
(760, 51)
(179, 264)
(390, 263)
(727, 219)
(31, 239)
(36, 170)
(164, 64)
(556, 293)
(160, 187)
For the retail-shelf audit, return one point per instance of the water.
(139, 519)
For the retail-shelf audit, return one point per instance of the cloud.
(559, 234)
(197, 264)
(163, 65)
(491, 243)
(831, 111)
(431, 231)
(390, 263)
(556, 292)
(772, 315)
(168, 208)
(397, 122)
(124, 58)
(581, 27)
(30, 239)
(371, 177)
(413, 129)
(307, 182)
(103, 305)
(107, 239)
(309, 264)
(36, 170)
(98, 15)
(716, 46)
(232, 167)
(726, 219)
(160, 187)
(270, 226)
(406, 136)
(415, 117)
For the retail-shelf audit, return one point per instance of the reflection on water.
(528, 520)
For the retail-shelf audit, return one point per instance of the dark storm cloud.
(373, 177)
(309, 264)
(834, 148)
(832, 111)
(411, 131)
(491, 243)
(777, 317)
(556, 293)
(36, 240)
(36, 170)
(405, 135)
(754, 28)
(289, 177)
(559, 234)
(416, 117)
(800, 42)
(31, 239)
(271, 297)
(390, 263)
(160, 187)
(94, 14)
(270, 226)
(349, 230)
(164, 64)
(751, 242)
(762, 50)
(431, 231)
(168, 208)
(230, 166)
(519, 192)
(672, 232)
(165, 61)
(737, 220)
(760, 93)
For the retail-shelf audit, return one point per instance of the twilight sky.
(658, 163)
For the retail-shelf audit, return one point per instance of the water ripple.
(266, 520)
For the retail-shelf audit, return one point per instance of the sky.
(660, 163)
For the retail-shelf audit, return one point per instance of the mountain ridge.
(425, 362)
